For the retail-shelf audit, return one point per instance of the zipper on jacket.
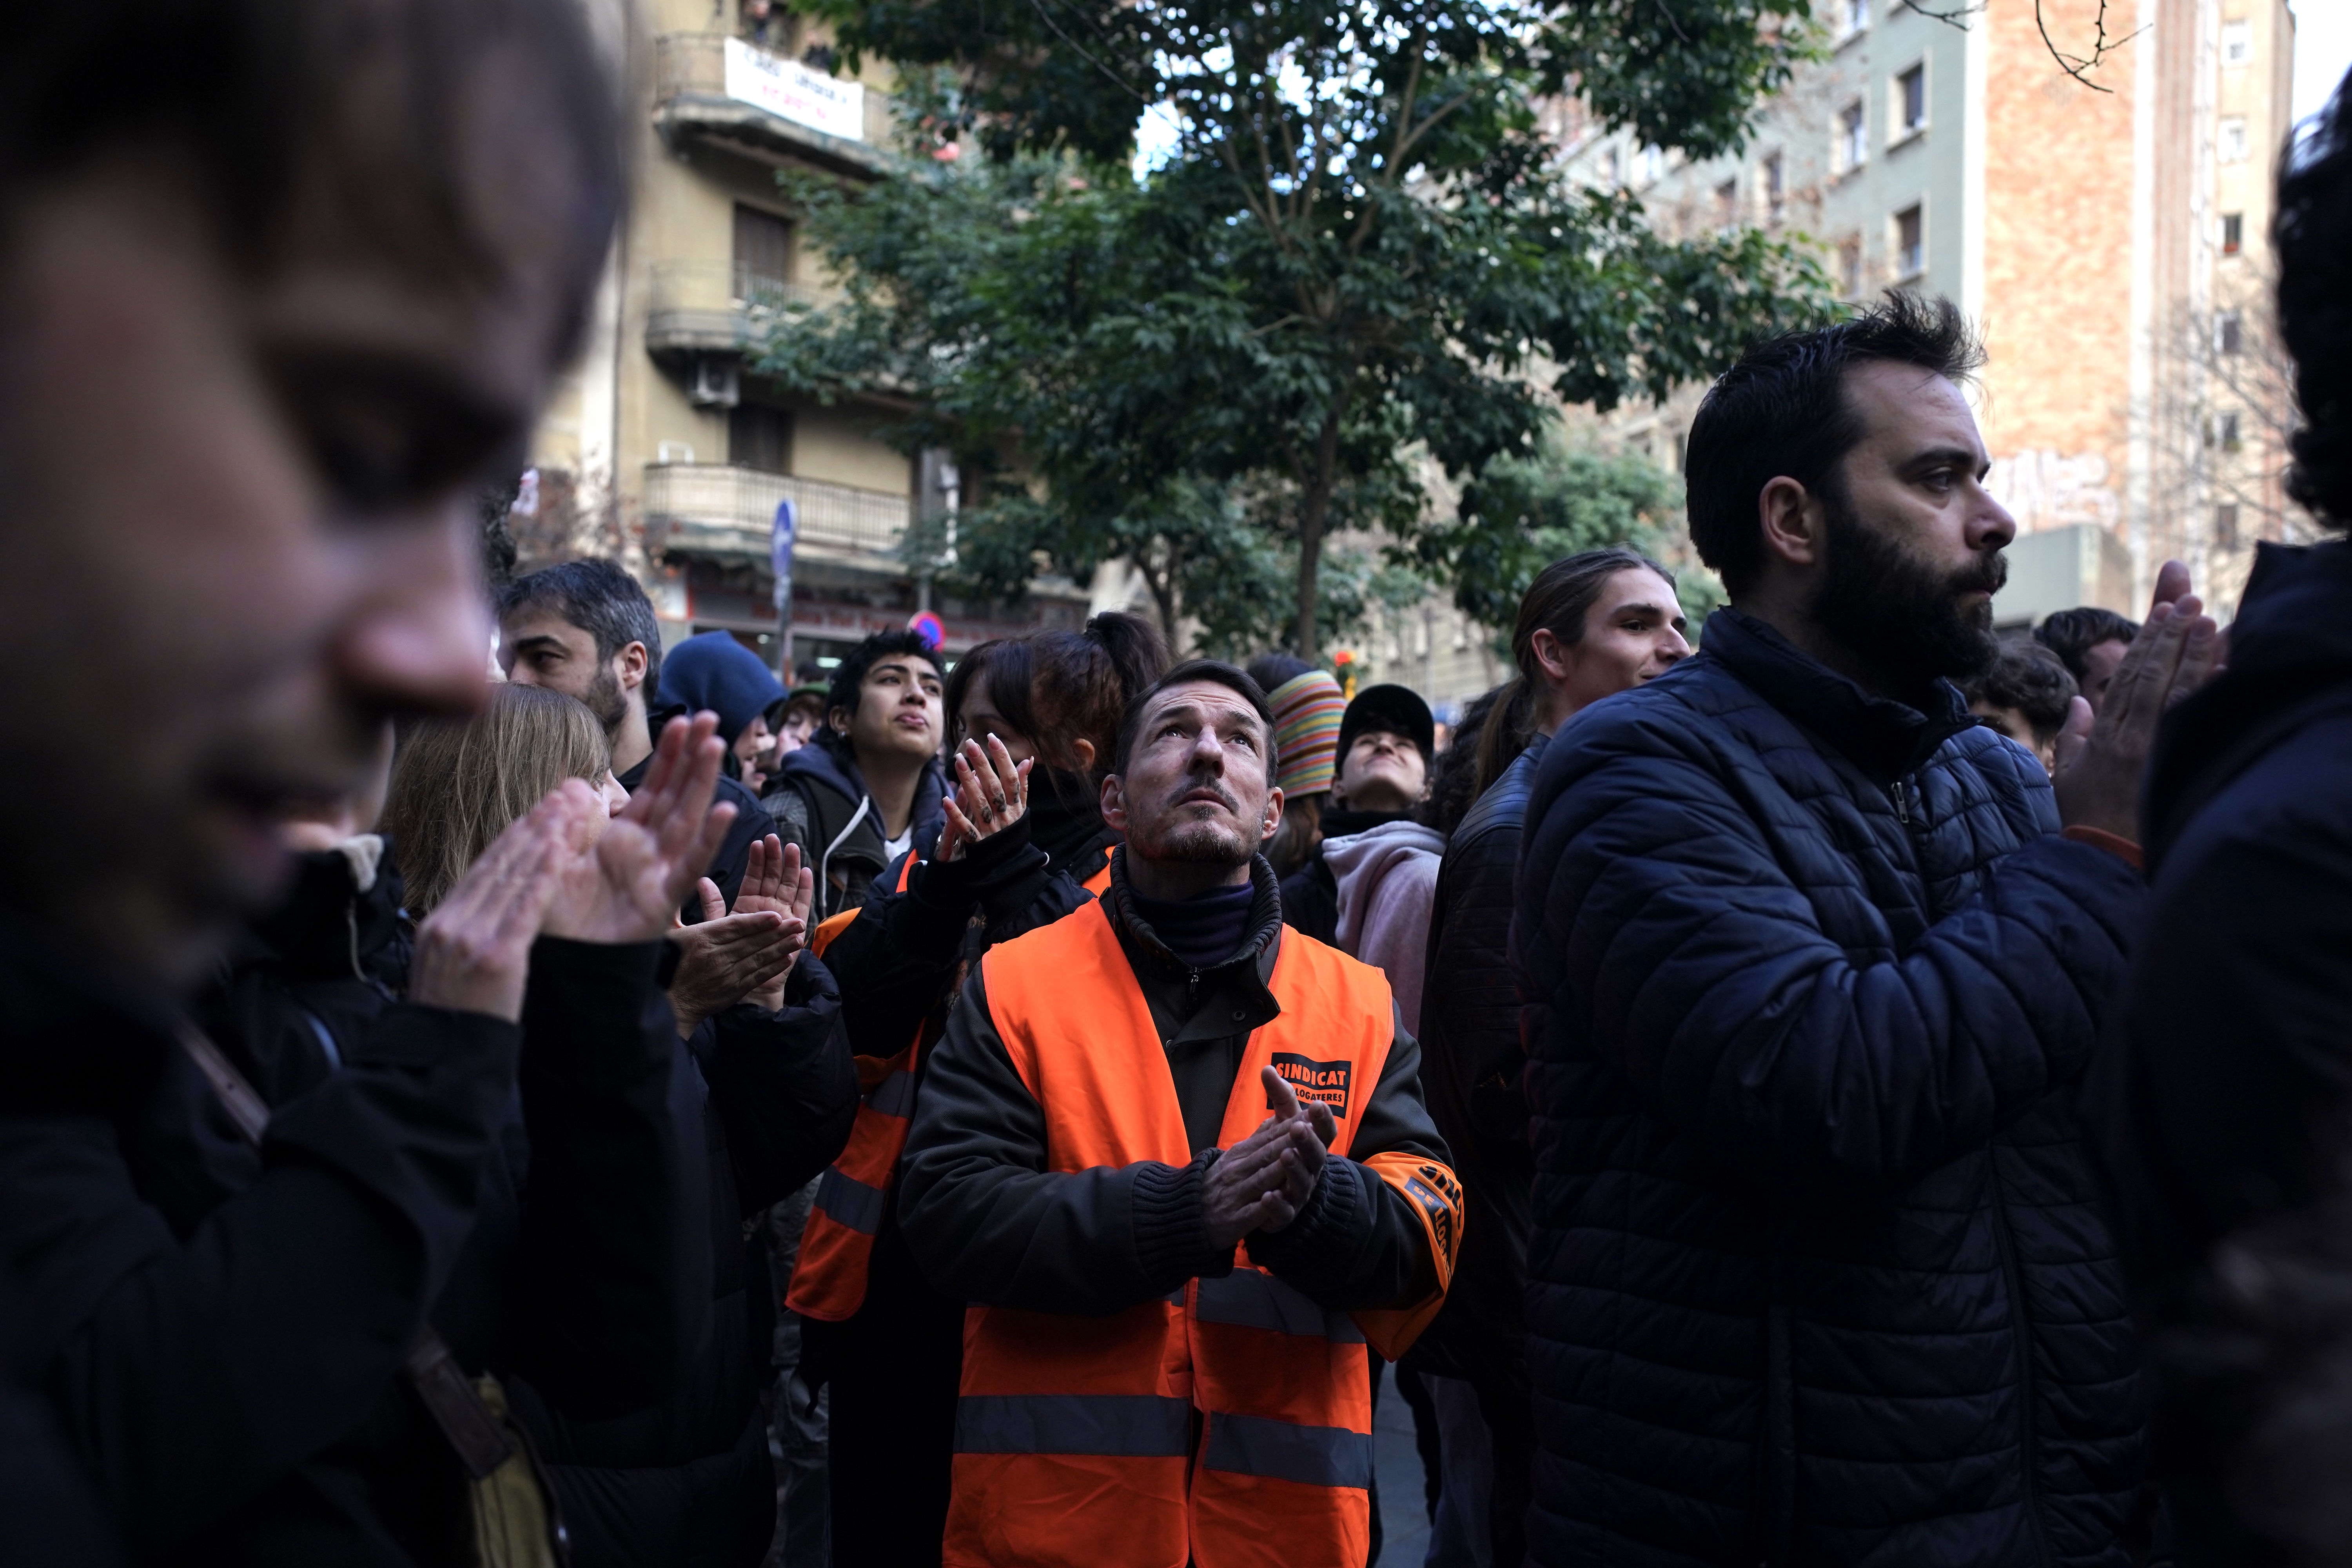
(2013, 1280)
(1900, 790)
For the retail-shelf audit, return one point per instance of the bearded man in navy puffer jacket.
(1811, 964)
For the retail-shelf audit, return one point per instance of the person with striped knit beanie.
(1308, 707)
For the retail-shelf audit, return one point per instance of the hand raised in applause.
(1262, 1182)
(2100, 760)
(991, 793)
(628, 885)
(776, 882)
(473, 952)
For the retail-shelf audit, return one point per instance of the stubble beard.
(1906, 619)
(605, 699)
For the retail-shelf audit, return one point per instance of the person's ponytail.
(1510, 726)
(1133, 647)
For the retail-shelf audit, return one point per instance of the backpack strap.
(474, 1431)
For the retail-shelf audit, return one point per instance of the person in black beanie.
(1033, 721)
(1386, 741)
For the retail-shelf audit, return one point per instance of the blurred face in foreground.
(240, 503)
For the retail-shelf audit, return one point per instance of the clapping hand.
(746, 956)
(2100, 760)
(776, 882)
(1262, 1182)
(990, 795)
(473, 952)
(627, 886)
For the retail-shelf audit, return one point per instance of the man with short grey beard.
(1185, 999)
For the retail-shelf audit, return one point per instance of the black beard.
(606, 700)
(1898, 614)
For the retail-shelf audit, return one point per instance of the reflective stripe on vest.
(1277, 1388)
(837, 1245)
(829, 1275)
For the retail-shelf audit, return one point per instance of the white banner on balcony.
(790, 90)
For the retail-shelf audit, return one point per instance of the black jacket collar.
(1886, 739)
(2289, 648)
(1187, 1005)
(1265, 920)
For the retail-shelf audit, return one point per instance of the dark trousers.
(1511, 1430)
(893, 1369)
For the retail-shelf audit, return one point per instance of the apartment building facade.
(2106, 230)
(666, 447)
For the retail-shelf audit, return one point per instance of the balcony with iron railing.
(717, 307)
(767, 104)
(725, 512)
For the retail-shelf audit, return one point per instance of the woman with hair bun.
(1033, 724)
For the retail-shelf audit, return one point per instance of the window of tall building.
(1776, 186)
(1727, 204)
(1850, 267)
(2225, 526)
(760, 437)
(1610, 173)
(2229, 332)
(2223, 432)
(2237, 43)
(1910, 242)
(1648, 164)
(1911, 99)
(764, 252)
(1857, 15)
(2232, 141)
(2233, 233)
(1852, 146)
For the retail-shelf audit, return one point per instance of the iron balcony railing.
(719, 510)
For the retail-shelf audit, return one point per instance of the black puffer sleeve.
(604, 1266)
(784, 1084)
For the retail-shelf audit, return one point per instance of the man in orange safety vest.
(1176, 1158)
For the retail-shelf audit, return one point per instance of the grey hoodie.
(1388, 880)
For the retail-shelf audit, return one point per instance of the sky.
(2323, 50)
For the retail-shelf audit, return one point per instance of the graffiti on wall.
(2049, 490)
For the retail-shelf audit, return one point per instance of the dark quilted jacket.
(1471, 1068)
(1816, 1276)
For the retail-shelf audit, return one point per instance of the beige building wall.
(664, 449)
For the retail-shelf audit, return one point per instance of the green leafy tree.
(1360, 255)
(1523, 513)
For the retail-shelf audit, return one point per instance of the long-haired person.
(748, 1082)
(1589, 625)
(1036, 723)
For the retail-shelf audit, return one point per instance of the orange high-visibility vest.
(837, 1245)
(1076, 1444)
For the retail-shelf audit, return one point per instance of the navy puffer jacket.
(1816, 1276)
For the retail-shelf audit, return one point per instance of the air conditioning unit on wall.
(717, 382)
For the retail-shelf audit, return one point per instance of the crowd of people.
(1828, 1087)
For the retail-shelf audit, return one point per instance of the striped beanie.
(1306, 713)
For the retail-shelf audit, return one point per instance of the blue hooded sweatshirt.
(713, 670)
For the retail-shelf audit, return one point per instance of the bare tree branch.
(2080, 66)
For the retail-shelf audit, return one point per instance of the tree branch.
(2080, 66)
